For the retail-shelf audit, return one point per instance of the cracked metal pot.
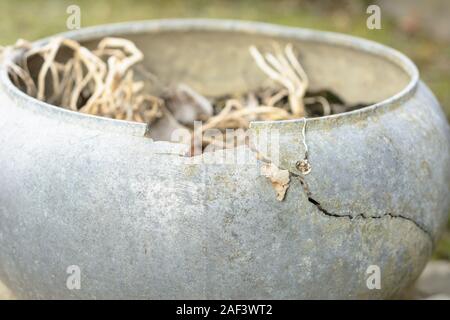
(141, 222)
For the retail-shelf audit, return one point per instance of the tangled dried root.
(99, 82)
(286, 70)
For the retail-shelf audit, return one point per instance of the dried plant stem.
(285, 70)
(98, 82)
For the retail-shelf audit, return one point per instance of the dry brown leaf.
(278, 177)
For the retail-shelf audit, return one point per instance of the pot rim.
(239, 26)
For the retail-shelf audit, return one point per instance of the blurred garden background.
(420, 29)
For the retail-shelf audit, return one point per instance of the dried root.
(287, 71)
(99, 82)
(102, 82)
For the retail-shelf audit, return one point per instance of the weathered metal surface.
(141, 221)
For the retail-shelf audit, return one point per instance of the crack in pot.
(360, 215)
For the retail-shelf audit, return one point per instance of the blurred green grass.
(33, 19)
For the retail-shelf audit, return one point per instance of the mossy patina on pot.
(141, 223)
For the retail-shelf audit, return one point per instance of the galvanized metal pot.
(139, 221)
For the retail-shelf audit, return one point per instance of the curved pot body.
(138, 220)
